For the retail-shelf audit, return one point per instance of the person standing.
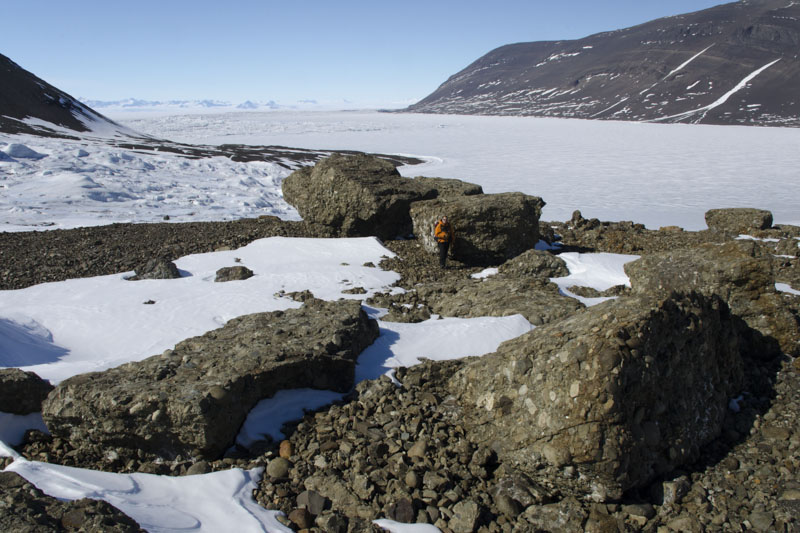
(444, 235)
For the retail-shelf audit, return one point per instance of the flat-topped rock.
(192, 400)
(738, 220)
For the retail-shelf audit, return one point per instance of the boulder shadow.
(27, 344)
(762, 360)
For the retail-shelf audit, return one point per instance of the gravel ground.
(747, 480)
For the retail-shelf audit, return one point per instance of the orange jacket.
(444, 232)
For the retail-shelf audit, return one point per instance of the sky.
(362, 52)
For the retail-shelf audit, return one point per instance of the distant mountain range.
(30, 105)
(735, 63)
(145, 105)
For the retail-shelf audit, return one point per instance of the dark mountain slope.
(735, 63)
(29, 104)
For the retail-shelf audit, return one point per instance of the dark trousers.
(443, 247)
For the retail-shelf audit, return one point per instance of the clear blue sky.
(367, 52)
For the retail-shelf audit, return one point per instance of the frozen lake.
(656, 174)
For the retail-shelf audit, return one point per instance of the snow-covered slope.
(735, 63)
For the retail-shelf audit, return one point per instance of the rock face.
(362, 195)
(737, 272)
(622, 391)
(26, 508)
(192, 400)
(489, 228)
(740, 220)
(22, 393)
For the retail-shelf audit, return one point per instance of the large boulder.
(738, 220)
(21, 392)
(234, 273)
(489, 228)
(737, 271)
(192, 400)
(620, 392)
(361, 195)
(156, 268)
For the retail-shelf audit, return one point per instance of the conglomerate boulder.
(489, 228)
(21, 392)
(737, 271)
(621, 392)
(361, 195)
(192, 400)
(738, 220)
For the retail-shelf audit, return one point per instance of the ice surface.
(655, 174)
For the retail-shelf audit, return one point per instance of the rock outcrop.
(21, 392)
(741, 220)
(362, 195)
(620, 393)
(192, 400)
(489, 228)
(539, 301)
(521, 286)
(738, 271)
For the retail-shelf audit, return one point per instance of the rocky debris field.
(26, 508)
(672, 408)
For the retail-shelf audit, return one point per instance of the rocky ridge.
(420, 452)
(734, 63)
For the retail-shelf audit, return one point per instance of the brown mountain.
(29, 104)
(735, 63)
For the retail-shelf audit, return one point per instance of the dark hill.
(29, 104)
(735, 63)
